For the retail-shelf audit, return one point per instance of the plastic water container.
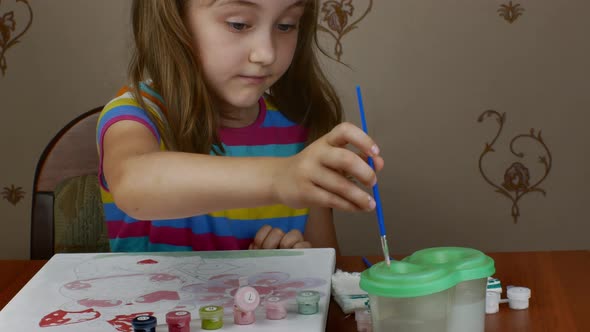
(408, 297)
(433, 290)
(471, 269)
(363, 320)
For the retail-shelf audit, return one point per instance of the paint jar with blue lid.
(144, 323)
(308, 302)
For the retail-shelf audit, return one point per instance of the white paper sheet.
(103, 292)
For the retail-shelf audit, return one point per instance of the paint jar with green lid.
(308, 302)
(408, 297)
(211, 317)
(471, 269)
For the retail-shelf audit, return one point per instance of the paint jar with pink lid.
(275, 308)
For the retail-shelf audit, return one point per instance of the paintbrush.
(376, 196)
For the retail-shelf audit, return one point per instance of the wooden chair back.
(72, 152)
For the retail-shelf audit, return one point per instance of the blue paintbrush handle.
(376, 195)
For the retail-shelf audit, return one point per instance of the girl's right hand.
(317, 176)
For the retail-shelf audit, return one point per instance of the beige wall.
(72, 59)
(428, 69)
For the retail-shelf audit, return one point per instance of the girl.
(228, 136)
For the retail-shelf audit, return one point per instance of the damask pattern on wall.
(518, 178)
(336, 15)
(13, 194)
(10, 30)
(334, 20)
(510, 12)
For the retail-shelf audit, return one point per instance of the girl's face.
(244, 46)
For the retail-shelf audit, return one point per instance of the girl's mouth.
(253, 79)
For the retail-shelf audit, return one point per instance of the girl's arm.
(151, 184)
(320, 230)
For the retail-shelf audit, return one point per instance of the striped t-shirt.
(271, 135)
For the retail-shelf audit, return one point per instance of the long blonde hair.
(164, 54)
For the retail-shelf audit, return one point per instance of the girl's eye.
(237, 26)
(286, 27)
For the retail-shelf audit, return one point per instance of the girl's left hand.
(274, 238)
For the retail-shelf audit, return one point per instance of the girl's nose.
(263, 49)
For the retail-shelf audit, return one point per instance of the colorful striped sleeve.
(123, 107)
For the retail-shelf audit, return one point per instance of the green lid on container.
(468, 264)
(403, 279)
(426, 272)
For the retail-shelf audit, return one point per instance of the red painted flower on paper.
(123, 322)
(61, 317)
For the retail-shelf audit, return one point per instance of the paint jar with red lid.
(178, 321)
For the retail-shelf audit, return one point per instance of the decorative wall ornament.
(8, 27)
(336, 13)
(517, 177)
(13, 194)
(510, 12)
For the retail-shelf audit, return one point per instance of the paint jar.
(518, 297)
(144, 323)
(492, 302)
(275, 308)
(246, 300)
(211, 317)
(308, 302)
(363, 320)
(178, 321)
